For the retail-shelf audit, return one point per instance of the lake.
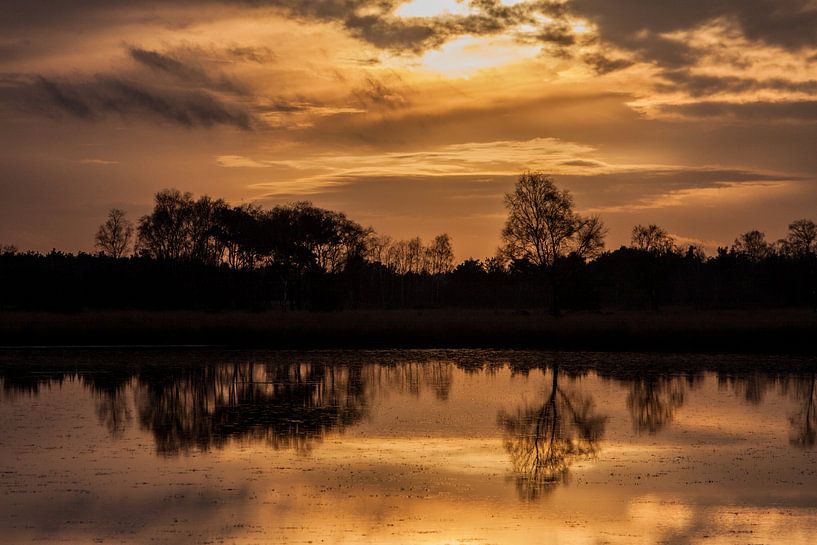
(406, 447)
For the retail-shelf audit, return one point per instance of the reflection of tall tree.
(653, 400)
(288, 405)
(804, 421)
(545, 440)
(112, 407)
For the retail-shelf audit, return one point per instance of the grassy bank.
(780, 331)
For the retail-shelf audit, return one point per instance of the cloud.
(797, 111)
(239, 161)
(790, 24)
(186, 73)
(583, 163)
(701, 85)
(378, 93)
(647, 187)
(375, 21)
(97, 162)
(101, 96)
(603, 64)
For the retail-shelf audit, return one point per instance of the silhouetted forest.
(203, 254)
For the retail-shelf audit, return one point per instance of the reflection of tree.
(544, 441)
(413, 377)
(21, 380)
(202, 405)
(751, 386)
(804, 421)
(653, 400)
(112, 407)
(287, 405)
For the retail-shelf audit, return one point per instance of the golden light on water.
(428, 460)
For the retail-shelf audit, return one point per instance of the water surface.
(406, 447)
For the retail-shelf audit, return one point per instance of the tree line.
(298, 236)
(205, 253)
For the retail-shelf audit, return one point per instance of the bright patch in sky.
(432, 8)
(468, 54)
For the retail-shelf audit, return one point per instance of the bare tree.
(542, 226)
(397, 257)
(440, 255)
(801, 240)
(589, 238)
(416, 256)
(753, 246)
(377, 247)
(113, 238)
(165, 233)
(652, 238)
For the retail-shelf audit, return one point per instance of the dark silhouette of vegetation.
(204, 254)
(115, 236)
(542, 226)
(542, 230)
(652, 239)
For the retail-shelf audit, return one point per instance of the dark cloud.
(186, 72)
(700, 85)
(582, 163)
(374, 21)
(260, 55)
(638, 24)
(98, 97)
(634, 24)
(557, 34)
(802, 111)
(377, 93)
(285, 107)
(603, 64)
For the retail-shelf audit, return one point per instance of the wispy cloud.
(97, 162)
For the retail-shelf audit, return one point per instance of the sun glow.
(432, 8)
(466, 55)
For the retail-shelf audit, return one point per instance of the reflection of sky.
(419, 468)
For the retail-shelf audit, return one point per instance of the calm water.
(416, 447)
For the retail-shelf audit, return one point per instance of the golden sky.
(413, 117)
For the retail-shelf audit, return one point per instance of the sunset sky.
(413, 117)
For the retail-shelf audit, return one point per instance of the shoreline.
(783, 331)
